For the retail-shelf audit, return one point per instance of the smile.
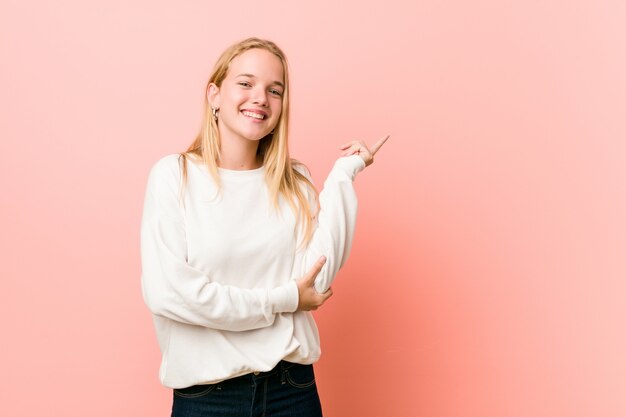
(254, 115)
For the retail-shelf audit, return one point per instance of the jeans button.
(256, 373)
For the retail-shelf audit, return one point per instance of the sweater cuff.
(350, 165)
(284, 299)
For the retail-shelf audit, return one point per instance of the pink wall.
(488, 273)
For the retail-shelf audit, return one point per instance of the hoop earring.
(215, 113)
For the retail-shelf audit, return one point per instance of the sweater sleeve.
(336, 221)
(174, 289)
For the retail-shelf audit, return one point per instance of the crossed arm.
(174, 289)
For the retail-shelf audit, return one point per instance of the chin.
(255, 136)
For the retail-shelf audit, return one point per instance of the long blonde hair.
(281, 177)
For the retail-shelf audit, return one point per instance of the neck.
(239, 154)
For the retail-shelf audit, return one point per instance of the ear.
(213, 95)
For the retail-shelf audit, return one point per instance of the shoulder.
(305, 181)
(170, 166)
(165, 172)
(300, 168)
(168, 163)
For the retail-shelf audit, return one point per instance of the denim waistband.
(280, 367)
(287, 389)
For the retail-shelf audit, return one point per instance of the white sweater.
(219, 269)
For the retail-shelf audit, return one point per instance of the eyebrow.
(253, 76)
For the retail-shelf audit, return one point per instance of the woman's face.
(250, 97)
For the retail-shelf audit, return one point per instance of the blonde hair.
(281, 177)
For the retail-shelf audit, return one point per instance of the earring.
(215, 112)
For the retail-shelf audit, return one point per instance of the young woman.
(235, 252)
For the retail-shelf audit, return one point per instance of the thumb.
(315, 269)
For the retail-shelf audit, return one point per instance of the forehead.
(259, 63)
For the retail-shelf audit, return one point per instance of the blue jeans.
(288, 390)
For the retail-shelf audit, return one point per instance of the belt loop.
(283, 372)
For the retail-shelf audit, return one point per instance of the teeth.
(255, 115)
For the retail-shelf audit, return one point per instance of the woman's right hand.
(308, 298)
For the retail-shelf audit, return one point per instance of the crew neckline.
(241, 170)
(229, 173)
(240, 173)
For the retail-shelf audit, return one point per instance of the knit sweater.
(219, 268)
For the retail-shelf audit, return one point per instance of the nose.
(260, 97)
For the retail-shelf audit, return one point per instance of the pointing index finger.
(378, 144)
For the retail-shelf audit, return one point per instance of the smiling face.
(249, 98)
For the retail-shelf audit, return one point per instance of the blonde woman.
(236, 253)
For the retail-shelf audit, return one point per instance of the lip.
(255, 111)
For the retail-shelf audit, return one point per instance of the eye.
(244, 84)
(276, 92)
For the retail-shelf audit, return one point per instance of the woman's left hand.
(358, 147)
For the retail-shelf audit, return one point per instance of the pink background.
(488, 276)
